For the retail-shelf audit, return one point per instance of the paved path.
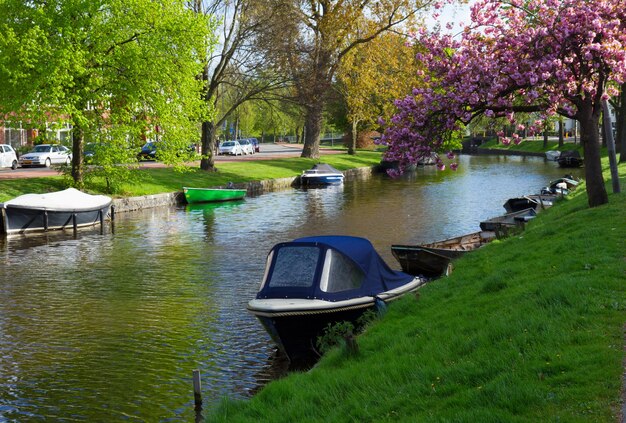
(268, 152)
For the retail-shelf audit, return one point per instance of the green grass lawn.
(526, 329)
(160, 180)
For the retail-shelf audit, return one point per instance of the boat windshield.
(294, 267)
(340, 273)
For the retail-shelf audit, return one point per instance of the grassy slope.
(159, 180)
(526, 329)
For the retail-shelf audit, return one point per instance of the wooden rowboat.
(432, 260)
(204, 195)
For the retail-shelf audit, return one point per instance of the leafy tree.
(309, 39)
(374, 74)
(555, 56)
(234, 72)
(118, 67)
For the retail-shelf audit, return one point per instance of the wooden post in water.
(74, 222)
(197, 392)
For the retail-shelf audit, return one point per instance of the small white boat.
(321, 174)
(67, 209)
(553, 155)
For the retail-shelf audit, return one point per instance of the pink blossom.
(454, 166)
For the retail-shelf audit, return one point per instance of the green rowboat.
(204, 195)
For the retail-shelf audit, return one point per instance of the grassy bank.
(160, 180)
(532, 146)
(526, 329)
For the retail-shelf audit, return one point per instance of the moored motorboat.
(67, 209)
(566, 182)
(570, 158)
(433, 259)
(315, 281)
(502, 224)
(553, 155)
(321, 174)
(534, 201)
(205, 195)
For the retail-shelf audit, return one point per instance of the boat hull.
(19, 220)
(296, 335)
(321, 180)
(433, 260)
(206, 195)
(501, 225)
(295, 324)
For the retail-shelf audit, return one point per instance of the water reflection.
(109, 327)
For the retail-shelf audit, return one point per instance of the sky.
(450, 13)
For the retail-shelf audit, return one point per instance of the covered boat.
(67, 209)
(570, 158)
(311, 282)
(432, 260)
(205, 195)
(321, 174)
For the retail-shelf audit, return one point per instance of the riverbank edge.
(253, 188)
(500, 152)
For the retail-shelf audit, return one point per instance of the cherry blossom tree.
(551, 56)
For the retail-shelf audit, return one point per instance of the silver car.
(46, 155)
(246, 146)
(230, 147)
(8, 158)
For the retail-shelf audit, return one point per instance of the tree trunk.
(561, 141)
(621, 124)
(352, 147)
(313, 128)
(78, 141)
(610, 144)
(545, 137)
(208, 147)
(589, 138)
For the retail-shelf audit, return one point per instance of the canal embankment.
(529, 328)
(127, 204)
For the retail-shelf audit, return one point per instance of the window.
(295, 267)
(340, 273)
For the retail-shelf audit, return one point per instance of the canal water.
(108, 327)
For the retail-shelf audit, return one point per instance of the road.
(268, 151)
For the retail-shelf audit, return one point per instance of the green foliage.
(335, 335)
(114, 69)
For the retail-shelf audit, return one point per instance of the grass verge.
(148, 181)
(532, 146)
(526, 329)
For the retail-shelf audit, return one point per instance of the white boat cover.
(67, 200)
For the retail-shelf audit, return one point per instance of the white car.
(230, 147)
(46, 155)
(246, 146)
(8, 158)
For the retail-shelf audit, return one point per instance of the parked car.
(230, 147)
(46, 155)
(246, 146)
(255, 144)
(148, 151)
(8, 158)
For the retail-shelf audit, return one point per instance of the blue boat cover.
(284, 276)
